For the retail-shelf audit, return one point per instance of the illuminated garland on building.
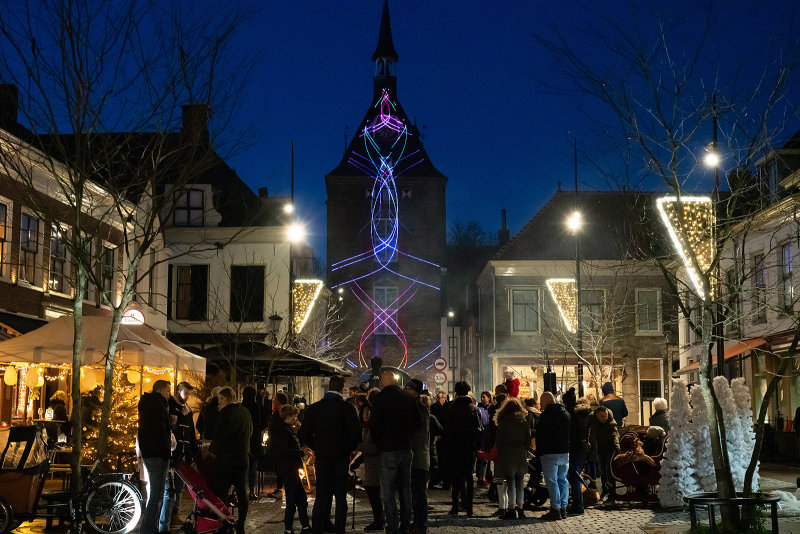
(304, 295)
(384, 165)
(565, 294)
(690, 224)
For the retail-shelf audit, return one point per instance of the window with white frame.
(188, 208)
(648, 311)
(191, 292)
(59, 276)
(107, 272)
(524, 310)
(759, 289)
(28, 248)
(385, 309)
(4, 252)
(787, 285)
(593, 303)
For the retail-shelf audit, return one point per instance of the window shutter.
(169, 291)
(199, 292)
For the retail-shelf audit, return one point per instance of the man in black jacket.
(155, 443)
(182, 426)
(552, 444)
(579, 411)
(331, 429)
(394, 418)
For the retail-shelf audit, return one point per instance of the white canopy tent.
(138, 345)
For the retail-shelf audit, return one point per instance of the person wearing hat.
(181, 423)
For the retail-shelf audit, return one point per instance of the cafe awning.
(731, 352)
(266, 360)
(137, 345)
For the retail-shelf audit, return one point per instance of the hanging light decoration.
(134, 376)
(10, 377)
(32, 377)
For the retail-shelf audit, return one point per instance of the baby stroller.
(210, 514)
(536, 493)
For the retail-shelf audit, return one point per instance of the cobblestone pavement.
(266, 516)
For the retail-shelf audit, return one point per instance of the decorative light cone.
(10, 378)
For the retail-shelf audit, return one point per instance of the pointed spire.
(385, 49)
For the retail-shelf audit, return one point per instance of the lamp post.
(712, 159)
(295, 233)
(452, 345)
(574, 223)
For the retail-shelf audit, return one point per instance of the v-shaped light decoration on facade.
(304, 296)
(565, 294)
(384, 159)
(690, 223)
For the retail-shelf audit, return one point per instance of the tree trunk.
(77, 361)
(716, 428)
(108, 381)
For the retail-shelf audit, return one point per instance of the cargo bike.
(107, 503)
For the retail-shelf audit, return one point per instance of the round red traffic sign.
(439, 377)
(440, 364)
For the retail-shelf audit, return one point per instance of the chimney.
(503, 235)
(195, 123)
(9, 102)
(263, 192)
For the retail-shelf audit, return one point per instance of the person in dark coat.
(372, 466)
(155, 443)
(91, 404)
(421, 460)
(439, 409)
(182, 426)
(279, 401)
(231, 448)
(250, 402)
(461, 433)
(660, 416)
(513, 439)
(580, 413)
(395, 418)
(436, 431)
(207, 419)
(552, 445)
(288, 462)
(604, 443)
(614, 403)
(58, 402)
(332, 431)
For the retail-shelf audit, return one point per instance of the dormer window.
(189, 208)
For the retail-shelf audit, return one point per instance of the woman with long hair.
(513, 438)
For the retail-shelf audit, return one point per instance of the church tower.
(387, 232)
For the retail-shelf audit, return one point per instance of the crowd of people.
(398, 441)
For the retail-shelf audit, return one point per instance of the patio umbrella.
(262, 359)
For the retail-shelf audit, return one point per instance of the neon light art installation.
(690, 223)
(384, 159)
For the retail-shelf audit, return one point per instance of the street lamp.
(288, 208)
(712, 159)
(295, 233)
(574, 224)
(452, 345)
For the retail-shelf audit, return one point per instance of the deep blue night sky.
(470, 72)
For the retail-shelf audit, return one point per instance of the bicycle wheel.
(6, 517)
(113, 507)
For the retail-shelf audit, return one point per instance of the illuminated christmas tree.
(123, 422)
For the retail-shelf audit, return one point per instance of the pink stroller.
(210, 514)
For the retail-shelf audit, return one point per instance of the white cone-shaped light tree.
(741, 394)
(704, 461)
(677, 467)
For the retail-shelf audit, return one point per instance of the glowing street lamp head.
(574, 222)
(451, 314)
(711, 159)
(295, 233)
(288, 208)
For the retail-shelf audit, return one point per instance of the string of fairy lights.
(565, 294)
(690, 222)
(384, 159)
(304, 295)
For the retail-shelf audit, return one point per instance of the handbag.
(488, 457)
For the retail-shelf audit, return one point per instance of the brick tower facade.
(387, 232)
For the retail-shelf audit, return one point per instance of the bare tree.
(661, 84)
(89, 68)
